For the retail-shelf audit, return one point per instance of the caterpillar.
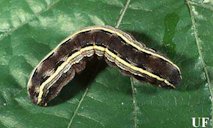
(114, 46)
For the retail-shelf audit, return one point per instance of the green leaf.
(100, 96)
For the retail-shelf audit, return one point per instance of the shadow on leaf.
(81, 81)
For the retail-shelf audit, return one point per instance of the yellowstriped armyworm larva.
(115, 46)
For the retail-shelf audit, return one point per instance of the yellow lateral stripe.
(141, 49)
(138, 69)
(61, 67)
(117, 32)
(108, 29)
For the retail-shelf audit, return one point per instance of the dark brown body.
(115, 43)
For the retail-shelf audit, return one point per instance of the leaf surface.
(101, 97)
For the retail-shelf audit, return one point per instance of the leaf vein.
(199, 47)
(134, 102)
(90, 118)
(77, 108)
(122, 14)
(201, 5)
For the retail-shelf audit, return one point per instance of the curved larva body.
(115, 46)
